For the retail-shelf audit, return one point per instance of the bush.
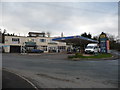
(78, 54)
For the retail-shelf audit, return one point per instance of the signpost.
(104, 43)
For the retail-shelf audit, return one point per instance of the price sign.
(104, 45)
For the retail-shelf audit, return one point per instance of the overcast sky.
(71, 18)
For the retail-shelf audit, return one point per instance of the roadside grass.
(100, 55)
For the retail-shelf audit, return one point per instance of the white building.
(33, 41)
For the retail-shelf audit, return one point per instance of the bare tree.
(111, 37)
(96, 37)
(5, 31)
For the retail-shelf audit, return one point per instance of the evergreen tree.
(89, 36)
(86, 35)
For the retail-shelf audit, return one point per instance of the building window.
(61, 47)
(42, 40)
(32, 40)
(44, 48)
(33, 35)
(16, 40)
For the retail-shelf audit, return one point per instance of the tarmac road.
(55, 70)
(10, 80)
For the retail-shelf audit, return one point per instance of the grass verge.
(92, 56)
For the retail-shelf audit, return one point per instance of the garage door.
(15, 49)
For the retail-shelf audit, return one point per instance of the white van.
(92, 48)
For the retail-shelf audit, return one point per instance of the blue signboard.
(103, 43)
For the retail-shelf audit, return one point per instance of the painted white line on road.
(22, 78)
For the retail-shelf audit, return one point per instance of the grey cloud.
(56, 18)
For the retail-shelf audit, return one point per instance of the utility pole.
(62, 34)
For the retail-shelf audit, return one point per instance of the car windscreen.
(90, 47)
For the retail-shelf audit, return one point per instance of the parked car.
(36, 51)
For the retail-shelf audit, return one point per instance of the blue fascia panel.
(72, 37)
